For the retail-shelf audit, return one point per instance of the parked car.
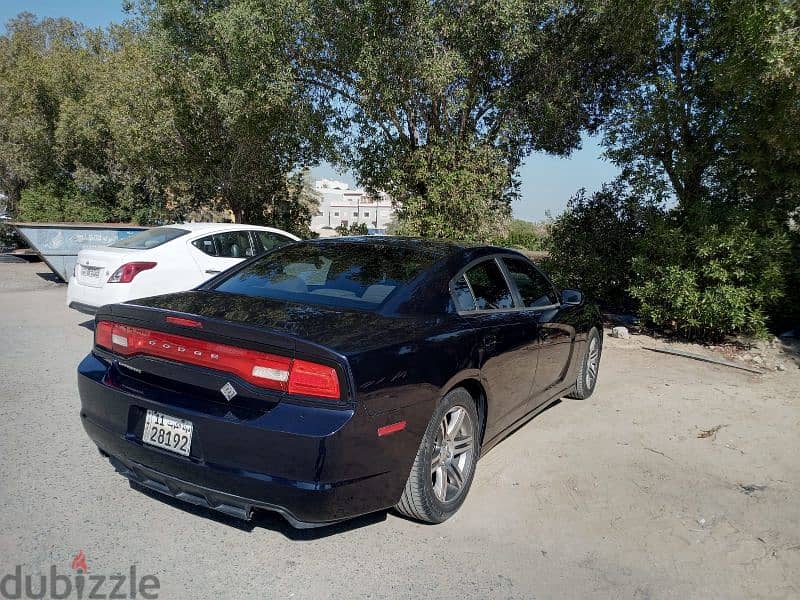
(163, 260)
(335, 377)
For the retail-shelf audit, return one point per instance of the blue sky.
(547, 181)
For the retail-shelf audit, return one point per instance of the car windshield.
(357, 275)
(150, 238)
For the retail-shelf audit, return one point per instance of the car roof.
(201, 227)
(444, 248)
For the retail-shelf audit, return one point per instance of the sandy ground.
(613, 497)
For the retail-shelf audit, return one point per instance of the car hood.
(342, 330)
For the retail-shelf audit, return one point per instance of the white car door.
(216, 252)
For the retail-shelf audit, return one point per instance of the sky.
(547, 181)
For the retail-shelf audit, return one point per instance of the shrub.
(727, 280)
(524, 235)
(354, 229)
(48, 202)
(593, 244)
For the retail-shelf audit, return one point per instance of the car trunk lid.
(196, 323)
(95, 265)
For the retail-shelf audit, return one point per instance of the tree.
(440, 101)
(42, 64)
(715, 111)
(244, 121)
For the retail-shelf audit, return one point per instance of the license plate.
(169, 433)
(91, 272)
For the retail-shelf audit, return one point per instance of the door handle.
(212, 271)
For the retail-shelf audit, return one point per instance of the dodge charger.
(331, 378)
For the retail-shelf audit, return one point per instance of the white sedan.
(163, 260)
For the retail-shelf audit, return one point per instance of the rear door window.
(533, 287)
(489, 287)
(267, 240)
(231, 244)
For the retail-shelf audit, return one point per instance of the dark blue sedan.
(332, 378)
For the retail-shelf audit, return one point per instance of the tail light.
(262, 369)
(128, 271)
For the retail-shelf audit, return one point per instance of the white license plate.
(169, 433)
(91, 272)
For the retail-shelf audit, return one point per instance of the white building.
(340, 205)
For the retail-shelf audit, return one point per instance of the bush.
(354, 229)
(593, 244)
(702, 276)
(524, 235)
(727, 280)
(48, 202)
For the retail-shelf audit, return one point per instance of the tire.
(589, 368)
(442, 473)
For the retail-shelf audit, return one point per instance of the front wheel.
(445, 462)
(589, 367)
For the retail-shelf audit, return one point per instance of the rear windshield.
(357, 275)
(150, 238)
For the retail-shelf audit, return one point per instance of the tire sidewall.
(439, 510)
(593, 334)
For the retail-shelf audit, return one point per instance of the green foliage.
(524, 235)
(438, 102)
(353, 229)
(46, 202)
(242, 117)
(592, 245)
(452, 192)
(179, 110)
(727, 281)
(714, 113)
(710, 124)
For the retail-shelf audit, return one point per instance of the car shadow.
(51, 277)
(266, 519)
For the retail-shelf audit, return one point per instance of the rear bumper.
(88, 299)
(314, 466)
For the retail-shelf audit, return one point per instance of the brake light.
(102, 335)
(262, 369)
(128, 271)
(183, 322)
(312, 379)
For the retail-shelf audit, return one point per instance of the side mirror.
(571, 297)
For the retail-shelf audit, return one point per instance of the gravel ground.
(616, 496)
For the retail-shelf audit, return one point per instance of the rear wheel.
(445, 462)
(589, 367)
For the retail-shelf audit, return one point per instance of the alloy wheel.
(453, 454)
(592, 362)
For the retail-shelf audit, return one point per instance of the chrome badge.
(228, 391)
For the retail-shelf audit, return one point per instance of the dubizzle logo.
(78, 585)
(79, 562)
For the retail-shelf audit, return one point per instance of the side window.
(489, 286)
(532, 285)
(206, 245)
(463, 295)
(266, 240)
(233, 244)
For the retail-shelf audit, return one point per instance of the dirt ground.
(614, 497)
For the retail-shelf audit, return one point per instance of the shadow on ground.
(266, 519)
(50, 277)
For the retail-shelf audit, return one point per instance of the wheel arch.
(471, 381)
